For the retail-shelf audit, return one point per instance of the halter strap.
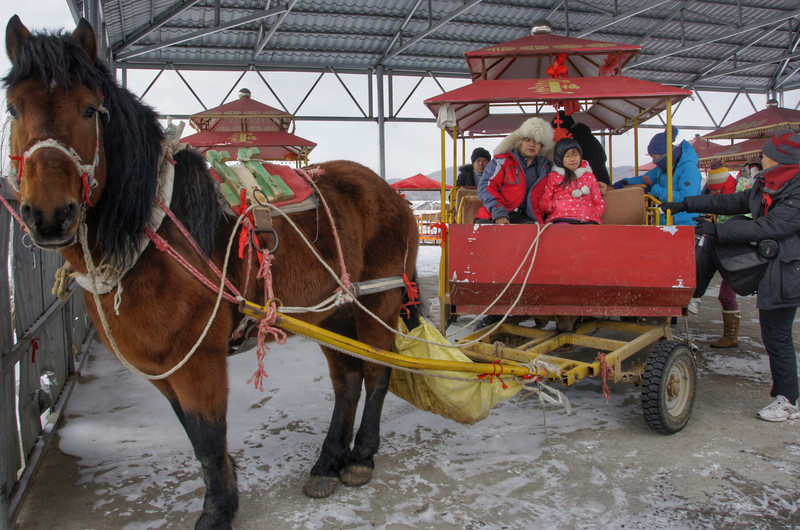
(86, 171)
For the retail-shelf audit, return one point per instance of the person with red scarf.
(719, 181)
(774, 202)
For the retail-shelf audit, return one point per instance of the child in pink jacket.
(571, 193)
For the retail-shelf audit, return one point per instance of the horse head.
(55, 106)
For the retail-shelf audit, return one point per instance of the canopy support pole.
(381, 124)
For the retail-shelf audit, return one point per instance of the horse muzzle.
(51, 230)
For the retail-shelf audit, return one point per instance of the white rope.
(534, 247)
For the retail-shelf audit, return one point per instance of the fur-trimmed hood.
(531, 128)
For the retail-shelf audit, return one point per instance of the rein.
(86, 171)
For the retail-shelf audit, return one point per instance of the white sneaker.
(694, 306)
(779, 410)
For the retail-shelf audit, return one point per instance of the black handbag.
(742, 266)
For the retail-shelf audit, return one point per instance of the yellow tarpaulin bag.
(467, 400)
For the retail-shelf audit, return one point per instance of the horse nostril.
(67, 215)
(25, 211)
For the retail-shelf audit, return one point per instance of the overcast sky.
(410, 148)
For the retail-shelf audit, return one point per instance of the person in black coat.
(470, 174)
(591, 147)
(774, 202)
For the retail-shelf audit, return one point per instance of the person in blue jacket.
(686, 177)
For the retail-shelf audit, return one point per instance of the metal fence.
(42, 339)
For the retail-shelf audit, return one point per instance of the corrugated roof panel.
(317, 34)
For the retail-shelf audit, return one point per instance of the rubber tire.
(669, 360)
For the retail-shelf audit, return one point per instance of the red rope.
(164, 246)
(605, 371)
(20, 166)
(87, 190)
(494, 373)
(195, 246)
(34, 347)
(266, 326)
(13, 213)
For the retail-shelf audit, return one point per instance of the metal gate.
(42, 339)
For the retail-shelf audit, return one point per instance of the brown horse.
(85, 153)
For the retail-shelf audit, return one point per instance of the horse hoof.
(320, 487)
(209, 521)
(356, 475)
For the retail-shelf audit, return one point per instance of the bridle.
(86, 171)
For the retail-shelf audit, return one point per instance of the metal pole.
(381, 131)
(668, 140)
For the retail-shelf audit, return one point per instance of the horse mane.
(132, 138)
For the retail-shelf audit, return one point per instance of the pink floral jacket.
(581, 200)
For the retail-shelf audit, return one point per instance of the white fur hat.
(535, 128)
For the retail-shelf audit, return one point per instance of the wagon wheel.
(669, 387)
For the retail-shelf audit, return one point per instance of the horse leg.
(360, 461)
(346, 376)
(201, 390)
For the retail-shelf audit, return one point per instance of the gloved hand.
(618, 185)
(704, 227)
(676, 207)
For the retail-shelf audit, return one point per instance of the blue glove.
(618, 185)
(704, 227)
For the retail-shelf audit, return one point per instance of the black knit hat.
(564, 145)
(784, 147)
(480, 152)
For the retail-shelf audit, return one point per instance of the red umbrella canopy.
(706, 150)
(244, 114)
(763, 124)
(273, 145)
(482, 107)
(530, 57)
(737, 152)
(418, 182)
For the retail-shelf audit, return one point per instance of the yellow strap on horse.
(395, 359)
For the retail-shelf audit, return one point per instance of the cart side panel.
(579, 269)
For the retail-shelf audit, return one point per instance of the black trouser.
(776, 333)
(776, 326)
(706, 263)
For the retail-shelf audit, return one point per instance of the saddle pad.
(280, 185)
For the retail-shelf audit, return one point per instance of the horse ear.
(16, 36)
(84, 34)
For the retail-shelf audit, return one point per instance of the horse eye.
(90, 111)
(12, 112)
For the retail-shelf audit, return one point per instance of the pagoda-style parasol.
(737, 152)
(531, 57)
(484, 108)
(763, 124)
(249, 123)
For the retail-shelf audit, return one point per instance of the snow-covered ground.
(522, 467)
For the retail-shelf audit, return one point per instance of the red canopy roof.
(530, 57)
(476, 105)
(738, 152)
(273, 145)
(763, 124)
(243, 114)
(418, 182)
